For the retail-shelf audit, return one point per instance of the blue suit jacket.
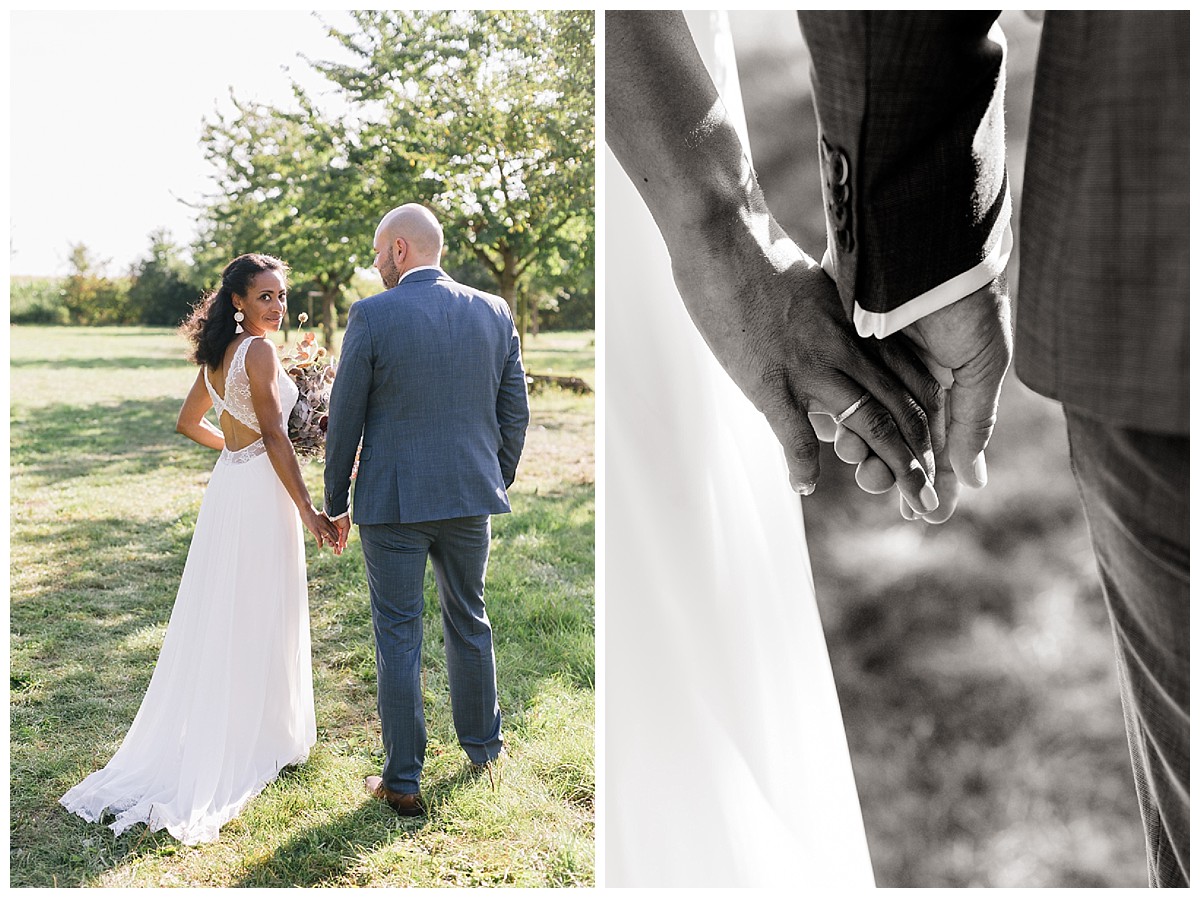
(430, 378)
(912, 152)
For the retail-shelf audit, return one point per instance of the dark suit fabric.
(912, 104)
(1102, 311)
(1138, 518)
(430, 378)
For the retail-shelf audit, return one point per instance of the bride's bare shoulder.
(262, 359)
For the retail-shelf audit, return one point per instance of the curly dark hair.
(211, 327)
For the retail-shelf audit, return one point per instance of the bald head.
(407, 237)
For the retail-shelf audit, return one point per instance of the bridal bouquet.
(312, 369)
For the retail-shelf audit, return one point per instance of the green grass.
(104, 497)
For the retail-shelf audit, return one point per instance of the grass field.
(104, 497)
(974, 661)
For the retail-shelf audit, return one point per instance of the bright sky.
(105, 113)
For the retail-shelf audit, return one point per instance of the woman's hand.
(967, 346)
(773, 319)
(191, 421)
(322, 529)
(768, 313)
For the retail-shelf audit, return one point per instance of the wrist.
(712, 185)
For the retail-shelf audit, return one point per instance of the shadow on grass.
(321, 855)
(105, 567)
(65, 441)
(102, 362)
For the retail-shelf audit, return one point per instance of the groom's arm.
(512, 410)
(769, 314)
(347, 411)
(910, 107)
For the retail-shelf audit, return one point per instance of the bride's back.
(230, 386)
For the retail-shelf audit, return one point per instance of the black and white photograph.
(896, 466)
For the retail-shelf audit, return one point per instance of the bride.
(725, 755)
(230, 702)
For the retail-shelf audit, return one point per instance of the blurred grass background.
(974, 660)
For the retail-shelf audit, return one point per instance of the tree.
(501, 105)
(161, 290)
(36, 301)
(88, 295)
(485, 116)
(292, 184)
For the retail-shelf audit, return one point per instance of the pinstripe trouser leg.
(395, 555)
(1135, 494)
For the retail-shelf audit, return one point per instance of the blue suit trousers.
(395, 556)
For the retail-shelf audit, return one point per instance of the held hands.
(342, 526)
(773, 319)
(967, 346)
(322, 529)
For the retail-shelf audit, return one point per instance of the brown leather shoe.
(404, 804)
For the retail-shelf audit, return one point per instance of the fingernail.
(929, 498)
(804, 489)
(979, 470)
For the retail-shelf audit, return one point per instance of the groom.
(430, 379)
(912, 143)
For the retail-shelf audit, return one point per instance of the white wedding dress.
(725, 758)
(230, 703)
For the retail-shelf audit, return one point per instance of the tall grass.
(104, 498)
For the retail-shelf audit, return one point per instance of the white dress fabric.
(230, 703)
(725, 755)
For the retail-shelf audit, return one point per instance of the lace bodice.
(238, 403)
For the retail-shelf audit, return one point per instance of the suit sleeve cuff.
(884, 324)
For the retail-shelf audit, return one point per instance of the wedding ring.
(855, 406)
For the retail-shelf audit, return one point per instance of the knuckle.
(773, 391)
(978, 427)
(931, 396)
(879, 426)
(806, 454)
(913, 419)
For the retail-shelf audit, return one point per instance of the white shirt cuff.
(339, 517)
(884, 324)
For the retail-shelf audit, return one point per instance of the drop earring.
(239, 316)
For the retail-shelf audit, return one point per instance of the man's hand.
(773, 319)
(343, 534)
(769, 314)
(967, 346)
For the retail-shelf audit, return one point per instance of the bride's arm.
(770, 315)
(262, 367)
(191, 421)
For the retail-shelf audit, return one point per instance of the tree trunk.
(508, 291)
(533, 317)
(522, 318)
